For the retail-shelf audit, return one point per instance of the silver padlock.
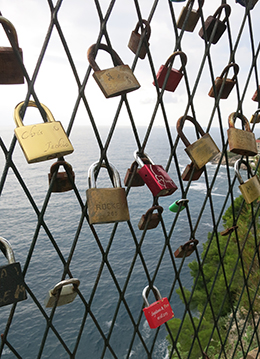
(67, 294)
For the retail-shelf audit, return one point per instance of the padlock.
(155, 177)
(137, 180)
(250, 189)
(220, 25)
(241, 142)
(228, 231)
(150, 219)
(192, 17)
(178, 205)
(114, 81)
(136, 37)
(62, 182)
(255, 96)
(228, 83)
(158, 312)
(43, 141)
(186, 249)
(67, 294)
(10, 68)
(255, 118)
(175, 76)
(12, 287)
(189, 170)
(247, 3)
(106, 205)
(202, 150)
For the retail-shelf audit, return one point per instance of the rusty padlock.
(255, 96)
(150, 219)
(247, 3)
(136, 37)
(191, 170)
(250, 189)
(255, 118)
(190, 23)
(241, 142)
(114, 81)
(228, 83)
(175, 76)
(62, 182)
(186, 249)
(202, 150)
(136, 180)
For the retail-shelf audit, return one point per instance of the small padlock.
(155, 177)
(255, 96)
(191, 170)
(250, 189)
(106, 205)
(228, 83)
(228, 231)
(186, 249)
(12, 287)
(62, 182)
(136, 180)
(10, 68)
(43, 141)
(114, 81)
(150, 220)
(241, 142)
(247, 3)
(220, 25)
(178, 205)
(67, 294)
(202, 150)
(175, 76)
(255, 118)
(190, 23)
(136, 37)
(158, 312)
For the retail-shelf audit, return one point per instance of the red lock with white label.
(158, 312)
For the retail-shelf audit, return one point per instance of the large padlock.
(12, 287)
(250, 189)
(158, 312)
(247, 3)
(241, 142)
(255, 118)
(191, 171)
(63, 293)
(62, 182)
(43, 141)
(202, 150)
(228, 83)
(255, 96)
(155, 177)
(186, 249)
(10, 68)
(132, 177)
(213, 23)
(136, 38)
(106, 205)
(175, 76)
(178, 205)
(114, 81)
(190, 23)
(150, 220)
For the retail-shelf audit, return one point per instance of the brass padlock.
(255, 118)
(241, 142)
(136, 37)
(106, 205)
(250, 189)
(202, 150)
(10, 68)
(150, 220)
(114, 81)
(67, 294)
(62, 182)
(188, 21)
(186, 249)
(132, 177)
(228, 83)
(43, 141)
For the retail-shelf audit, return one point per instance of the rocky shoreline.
(232, 158)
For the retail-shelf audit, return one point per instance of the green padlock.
(174, 207)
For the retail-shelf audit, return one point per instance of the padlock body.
(202, 150)
(152, 222)
(116, 80)
(107, 205)
(250, 189)
(43, 141)
(12, 288)
(158, 313)
(209, 25)
(10, 69)
(255, 98)
(242, 142)
(62, 182)
(173, 81)
(134, 42)
(227, 88)
(184, 251)
(191, 21)
(257, 120)
(67, 295)
(188, 172)
(137, 180)
(158, 180)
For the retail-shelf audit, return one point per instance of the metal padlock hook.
(217, 13)
(183, 59)
(138, 159)
(244, 120)
(74, 281)
(180, 124)
(147, 28)
(91, 174)
(156, 292)
(150, 210)
(10, 27)
(237, 167)
(17, 118)
(194, 241)
(57, 164)
(91, 58)
(225, 71)
(7, 250)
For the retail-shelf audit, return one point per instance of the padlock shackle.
(56, 165)
(180, 124)
(7, 250)
(217, 13)
(182, 202)
(244, 120)
(199, 1)
(150, 210)
(139, 160)
(225, 71)
(183, 59)
(91, 174)
(17, 118)
(192, 241)
(74, 281)
(10, 27)
(237, 167)
(91, 58)
(156, 293)
(147, 28)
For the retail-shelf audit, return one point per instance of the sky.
(56, 87)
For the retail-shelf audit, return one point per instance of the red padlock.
(186, 249)
(158, 312)
(175, 76)
(156, 178)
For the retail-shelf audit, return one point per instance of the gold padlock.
(255, 118)
(250, 189)
(241, 142)
(67, 295)
(106, 205)
(202, 150)
(114, 81)
(190, 23)
(43, 141)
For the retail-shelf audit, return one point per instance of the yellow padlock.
(250, 189)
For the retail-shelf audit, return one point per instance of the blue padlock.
(174, 207)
